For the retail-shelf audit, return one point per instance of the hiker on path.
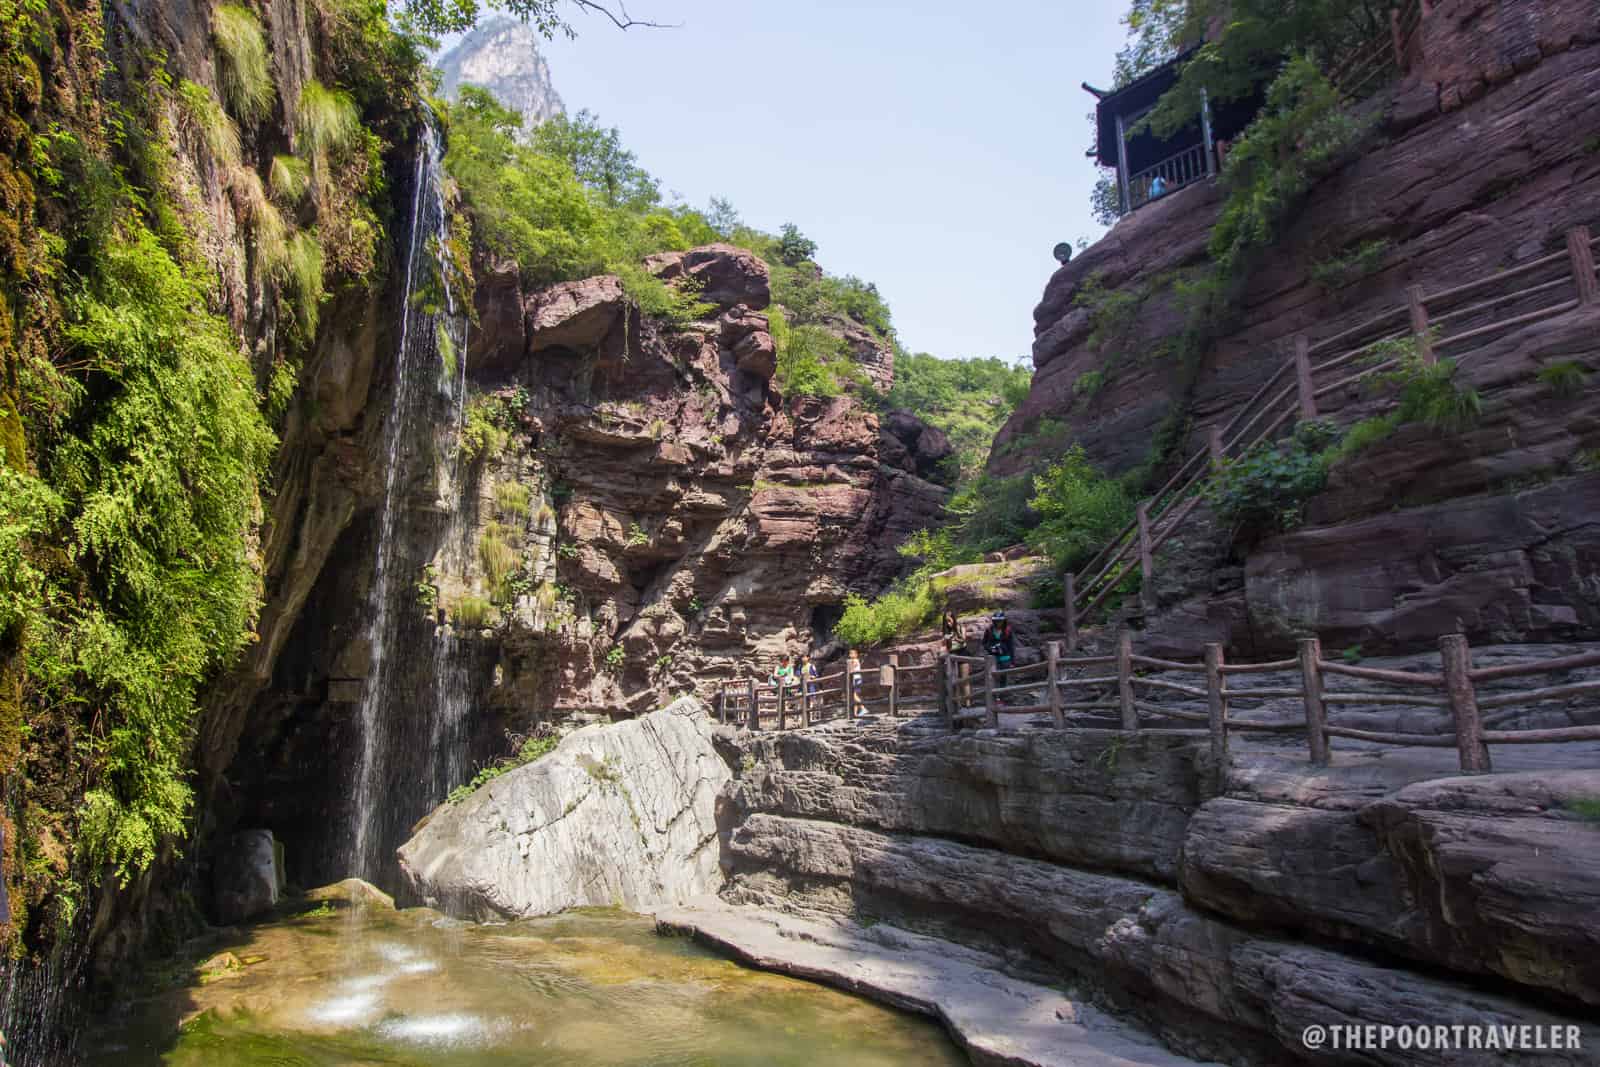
(853, 665)
(783, 676)
(999, 641)
(809, 674)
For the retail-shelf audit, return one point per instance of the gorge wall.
(1482, 158)
(643, 516)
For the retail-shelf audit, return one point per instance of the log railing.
(1459, 319)
(1453, 691)
(889, 688)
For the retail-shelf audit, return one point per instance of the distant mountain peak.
(502, 56)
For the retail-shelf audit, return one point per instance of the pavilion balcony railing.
(1176, 171)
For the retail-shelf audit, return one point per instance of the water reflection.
(589, 989)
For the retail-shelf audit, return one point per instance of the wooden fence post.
(1214, 446)
(755, 707)
(805, 701)
(1217, 712)
(1146, 562)
(782, 707)
(1457, 660)
(1052, 686)
(1316, 713)
(1130, 714)
(1302, 375)
(1419, 323)
(849, 691)
(966, 684)
(1069, 597)
(722, 702)
(1583, 265)
(989, 711)
(947, 690)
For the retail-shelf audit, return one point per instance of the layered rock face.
(620, 815)
(1379, 890)
(1482, 159)
(697, 519)
(633, 513)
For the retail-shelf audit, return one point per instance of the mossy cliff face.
(162, 286)
(1480, 159)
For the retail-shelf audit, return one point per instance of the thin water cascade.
(412, 743)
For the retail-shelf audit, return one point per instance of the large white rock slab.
(620, 814)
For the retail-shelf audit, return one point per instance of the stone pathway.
(997, 1019)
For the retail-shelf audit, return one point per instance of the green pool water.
(414, 988)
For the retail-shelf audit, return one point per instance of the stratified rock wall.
(1482, 159)
(1381, 890)
(640, 515)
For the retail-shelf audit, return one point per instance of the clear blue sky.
(936, 149)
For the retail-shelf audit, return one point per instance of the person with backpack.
(999, 641)
(810, 674)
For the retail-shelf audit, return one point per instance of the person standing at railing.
(999, 641)
(853, 665)
(954, 640)
(809, 672)
(783, 676)
(1158, 187)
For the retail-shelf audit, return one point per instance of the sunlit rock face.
(502, 56)
(616, 815)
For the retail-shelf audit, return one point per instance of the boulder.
(354, 892)
(619, 815)
(574, 314)
(727, 275)
(247, 877)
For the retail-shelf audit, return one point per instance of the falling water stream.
(411, 734)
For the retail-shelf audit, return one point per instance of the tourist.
(950, 626)
(853, 665)
(1158, 187)
(783, 676)
(999, 641)
(808, 671)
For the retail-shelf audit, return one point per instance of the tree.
(1254, 39)
(596, 156)
(453, 16)
(722, 217)
(1106, 199)
(794, 247)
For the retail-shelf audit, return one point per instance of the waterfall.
(411, 727)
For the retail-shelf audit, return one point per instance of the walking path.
(997, 1019)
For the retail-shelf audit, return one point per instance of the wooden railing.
(1176, 171)
(888, 688)
(1390, 51)
(1127, 687)
(1462, 318)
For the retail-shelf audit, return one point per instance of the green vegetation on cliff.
(969, 399)
(135, 431)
